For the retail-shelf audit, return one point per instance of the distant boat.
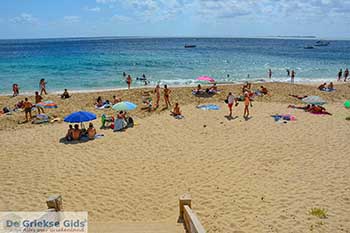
(190, 46)
(322, 43)
(309, 47)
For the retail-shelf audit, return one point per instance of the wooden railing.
(188, 217)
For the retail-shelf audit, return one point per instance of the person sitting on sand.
(199, 89)
(176, 111)
(116, 99)
(91, 131)
(264, 90)
(65, 94)
(27, 109)
(300, 97)
(330, 86)
(19, 105)
(76, 133)
(316, 109)
(99, 102)
(69, 135)
(322, 86)
(213, 88)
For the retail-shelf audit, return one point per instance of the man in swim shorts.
(27, 109)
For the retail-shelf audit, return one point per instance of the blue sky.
(246, 18)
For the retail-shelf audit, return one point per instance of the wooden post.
(184, 199)
(55, 202)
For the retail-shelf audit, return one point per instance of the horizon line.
(294, 37)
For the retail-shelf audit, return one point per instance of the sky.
(174, 18)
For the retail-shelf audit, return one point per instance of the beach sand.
(244, 176)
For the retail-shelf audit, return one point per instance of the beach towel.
(328, 89)
(98, 136)
(179, 117)
(103, 106)
(285, 117)
(208, 107)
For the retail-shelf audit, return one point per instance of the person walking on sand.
(157, 92)
(270, 73)
(167, 96)
(38, 99)
(246, 105)
(230, 102)
(340, 74)
(346, 74)
(42, 86)
(27, 109)
(292, 76)
(129, 81)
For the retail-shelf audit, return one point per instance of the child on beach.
(42, 86)
(176, 111)
(230, 101)
(167, 96)
(27, 109)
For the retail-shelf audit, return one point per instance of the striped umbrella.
(47, 104)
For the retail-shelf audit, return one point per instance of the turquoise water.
(98, 63)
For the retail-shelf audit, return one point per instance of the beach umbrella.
(206, 78)
(79, 117)
(347, 104)
(47, 104)
(124, 106)
(316, 100)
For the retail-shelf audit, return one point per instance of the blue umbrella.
(79, 117)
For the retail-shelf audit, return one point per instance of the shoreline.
(255, 81)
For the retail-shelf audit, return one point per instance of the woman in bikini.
(166, 96)
(42, 86)
(246, 105)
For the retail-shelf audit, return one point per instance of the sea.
(88, 64)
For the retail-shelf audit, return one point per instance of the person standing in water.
(129, 81)
(157, 92)
(340, 74)
(346, 74)
(42, 86)
(288, 72)
(292, 76)
(270, 73)
(167, 96)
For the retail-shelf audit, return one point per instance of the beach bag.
(130, 122)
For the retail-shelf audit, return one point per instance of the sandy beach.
(244, 176)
